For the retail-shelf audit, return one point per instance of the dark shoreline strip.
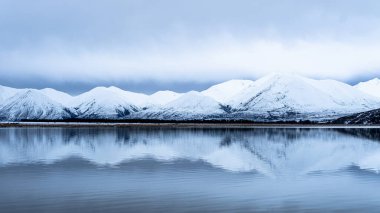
(178, 124)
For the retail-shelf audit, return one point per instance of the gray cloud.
(130, 42)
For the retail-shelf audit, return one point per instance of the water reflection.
(271, 152)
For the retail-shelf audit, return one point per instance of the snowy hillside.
(163, 97)
(102, 102)
(371, 87)
(137, 99)
(274, 97)
(58, 96)
(7, 92)
(32, 104)
(191, 105)
(292, 95)
(226, 91)
(194, 102)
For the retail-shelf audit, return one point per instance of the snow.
(226, 91)
(275, 95)
(371, 87)
(103, 102)
(190, 105)
(138, 99)
(195, 102)
(58, 96)
(32, 104)
(282, 93)
(7, 92)
(163, 97)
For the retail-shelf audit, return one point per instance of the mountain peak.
(280, 94)
(375, 81)
(193, 101)
(371, 87)
(31, 94)
(32, 104)
(284, 95)
(115, 89)
(225, 91)
(163, 97)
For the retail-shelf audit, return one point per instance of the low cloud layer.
(98, 42)
(210, 60)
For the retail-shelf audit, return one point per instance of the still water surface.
(131, 169)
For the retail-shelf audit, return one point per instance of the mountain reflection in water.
(160, 169)
(269, 151)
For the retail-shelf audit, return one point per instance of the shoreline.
(179, 125)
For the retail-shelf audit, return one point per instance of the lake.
(167, 169)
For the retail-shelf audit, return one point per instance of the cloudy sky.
(145, 45)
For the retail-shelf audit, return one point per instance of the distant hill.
(273, 98)
(364, 118)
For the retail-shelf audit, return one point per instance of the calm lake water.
(131, 169)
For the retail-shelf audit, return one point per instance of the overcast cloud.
(156, 44)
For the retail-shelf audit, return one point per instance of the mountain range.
(275, 97)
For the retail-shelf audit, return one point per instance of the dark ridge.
(371, 117)
(222, 121)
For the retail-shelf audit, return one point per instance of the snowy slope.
(191, 105)
(163, 97)
(58, 96)
(32, 104)
(195, 102)
(273, 97)
(7, 92)
(371, 87)
(138, 99)
(144, 101)
(102, 102)
(289, 95)
(226, 91)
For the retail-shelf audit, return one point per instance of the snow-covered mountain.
(32, 104)
(163, 97)
(271, 98)
(113, 103)
(7, 92)
(226, 91)
(191, 105)
(58, 96)
(105, 103)
(137, 99)
(290, 96)
(371, 87)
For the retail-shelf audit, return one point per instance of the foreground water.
(133, 169)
